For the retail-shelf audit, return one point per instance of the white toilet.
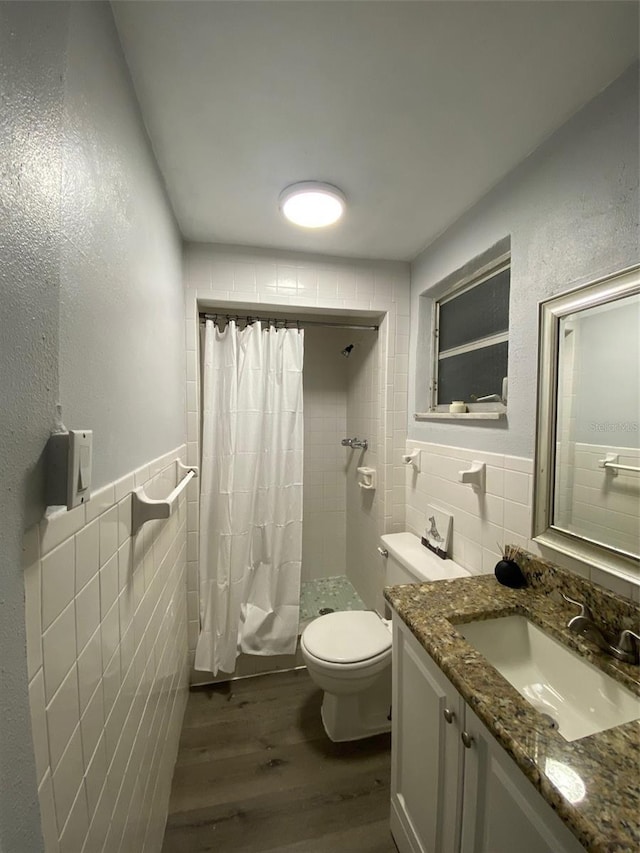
(348, 654)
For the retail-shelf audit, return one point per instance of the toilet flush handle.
(383, 552)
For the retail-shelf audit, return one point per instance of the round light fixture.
(312, 204)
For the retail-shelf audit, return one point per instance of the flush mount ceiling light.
(312, 204)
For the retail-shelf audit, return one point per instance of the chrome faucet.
(625, 649)
(360, 443)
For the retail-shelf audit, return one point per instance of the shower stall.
(343, 398)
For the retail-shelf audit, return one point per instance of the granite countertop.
(607, 818)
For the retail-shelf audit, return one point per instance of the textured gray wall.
(122, 350)
(572, 212)
(607, 384)
(32, 44)
(88, 248)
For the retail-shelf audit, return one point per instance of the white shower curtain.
(250, 493)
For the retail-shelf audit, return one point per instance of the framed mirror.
(587, 471)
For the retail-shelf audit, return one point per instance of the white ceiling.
(414, 109)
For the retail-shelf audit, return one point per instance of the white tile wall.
(482, 523)
(250, 279)
(107, 658)
(601, 505)
(365, 509)
(324, 529)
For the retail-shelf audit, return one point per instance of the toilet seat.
(348, 638)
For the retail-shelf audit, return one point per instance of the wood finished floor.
(257, 774)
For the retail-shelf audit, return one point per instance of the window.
(471, 342)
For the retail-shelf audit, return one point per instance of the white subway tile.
(617, 585)
(124, 486)
(473, 556)
(92, 725)
(101, 500)
(516, 486)
(59, 650)
(87, 544)
(494, 480)
(108, 535)
(108, 585)
(67, 778)
(75, 830)
(192, 366)
(111, 683)
(110, 630)
(63, 715)
(58, 581)
(517, 518)
(33, 615)
(191, 333)
(57, 527)
(87, 612)
(124, 519)
(89, 669)
(48, 814)
(95, 775)
(142, 475)
(39, 724)
(518, 463)
(125, 564)
(489, 560)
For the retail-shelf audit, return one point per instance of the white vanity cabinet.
(454, 789)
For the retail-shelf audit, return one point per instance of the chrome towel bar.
(610, 463)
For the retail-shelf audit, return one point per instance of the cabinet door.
(426, 751)
(502, 811)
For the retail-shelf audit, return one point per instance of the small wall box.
(69, 468)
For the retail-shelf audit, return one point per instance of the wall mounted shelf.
(144, 508)
(461, 416)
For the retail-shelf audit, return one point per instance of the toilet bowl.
(348, 654)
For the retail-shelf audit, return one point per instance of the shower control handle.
(360, 443)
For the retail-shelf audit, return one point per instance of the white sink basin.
(579, 697)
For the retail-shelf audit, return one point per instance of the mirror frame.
(551, 311)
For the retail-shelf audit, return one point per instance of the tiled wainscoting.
(482, 523)
(107, 659)
(603, 504)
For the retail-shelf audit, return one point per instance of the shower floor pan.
(327, 595)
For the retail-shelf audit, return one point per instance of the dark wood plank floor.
(257, 774)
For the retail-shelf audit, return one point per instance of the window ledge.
(461, 416)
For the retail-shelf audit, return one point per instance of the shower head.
(346, 352)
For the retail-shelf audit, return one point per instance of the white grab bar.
(144, 508)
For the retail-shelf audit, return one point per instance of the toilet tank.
(408, 561)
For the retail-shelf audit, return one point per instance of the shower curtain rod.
(282, 321)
